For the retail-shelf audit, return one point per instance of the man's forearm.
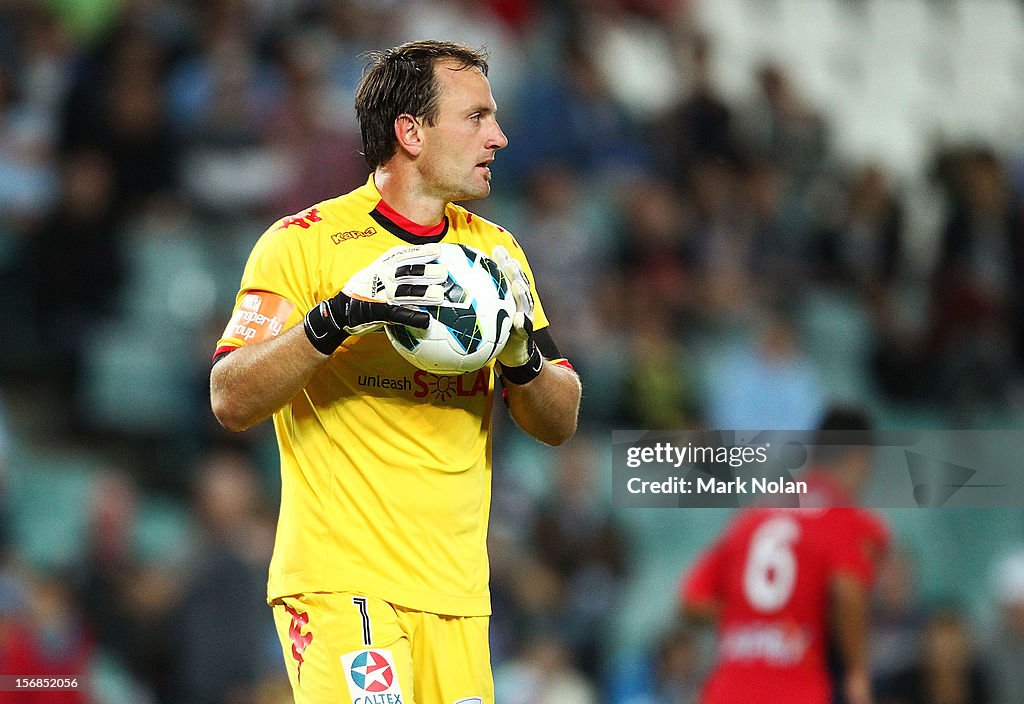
(701, 613)
(547, 407)
(850, 609)
(252, 382)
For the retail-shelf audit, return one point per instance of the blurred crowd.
(706, 260)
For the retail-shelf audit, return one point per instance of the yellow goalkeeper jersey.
(385, 468)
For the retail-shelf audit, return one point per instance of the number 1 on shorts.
(360, 601)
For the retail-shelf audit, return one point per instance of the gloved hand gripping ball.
(383, 292)
(520, 361)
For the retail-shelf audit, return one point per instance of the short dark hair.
(401, 80)
(842, 429)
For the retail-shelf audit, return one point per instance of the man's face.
(460, 145)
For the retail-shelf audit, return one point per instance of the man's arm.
(699, 590)
(850, 626)
(700, 613)
(250, 383)
(547, 406)
(253, 381)
(543, 398)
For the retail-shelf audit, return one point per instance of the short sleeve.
(281, 263)
(278, 286)
(860, 541)
(702, 585)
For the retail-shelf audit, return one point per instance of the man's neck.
(402, 194)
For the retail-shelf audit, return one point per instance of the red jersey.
(770, 575)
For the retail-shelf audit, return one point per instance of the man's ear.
(409, 132)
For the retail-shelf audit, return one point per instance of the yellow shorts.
(347, 647)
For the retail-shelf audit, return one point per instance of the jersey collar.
(402, 227)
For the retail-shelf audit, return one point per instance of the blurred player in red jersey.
(782, 584)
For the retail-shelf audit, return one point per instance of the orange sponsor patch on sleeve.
(259, 316)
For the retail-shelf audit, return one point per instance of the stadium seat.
(725, 19)
(169, 276)
(838, 335)
(163, 531)
(874, 132)
(673, 538)
(123, 358)
(743, 38)
(901, 25)
(810, 27)
(990, 27)
(49, 500)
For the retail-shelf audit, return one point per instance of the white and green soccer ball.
(473, 324)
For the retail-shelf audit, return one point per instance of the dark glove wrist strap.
(526, 373)
(322, 329)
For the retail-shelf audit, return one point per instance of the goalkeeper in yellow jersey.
(379, 576)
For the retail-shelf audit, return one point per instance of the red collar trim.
(408, 225)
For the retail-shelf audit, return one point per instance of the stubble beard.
(454, 192)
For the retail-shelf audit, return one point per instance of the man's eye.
(475, 118)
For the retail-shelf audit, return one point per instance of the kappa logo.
(304, 221)
(300, 641)
(371, 677)
(339, 237)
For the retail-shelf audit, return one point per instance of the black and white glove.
(520, 360)
(380, 293)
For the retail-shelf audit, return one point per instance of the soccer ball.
(473, 324)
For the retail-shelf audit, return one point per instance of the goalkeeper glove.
(378, 294)
(520, 360)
